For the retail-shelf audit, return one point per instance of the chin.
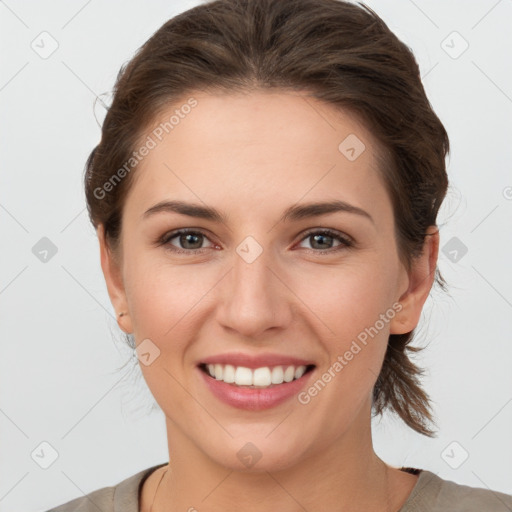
(255, 454)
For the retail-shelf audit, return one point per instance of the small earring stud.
(121, 314)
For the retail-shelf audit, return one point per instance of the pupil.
(316, 237)
(186, 238)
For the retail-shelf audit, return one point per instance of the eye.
(189, 241)
(325, 237)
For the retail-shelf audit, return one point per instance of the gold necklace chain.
(157, 487)
(165, 472)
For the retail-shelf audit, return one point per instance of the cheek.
(357, 286)
(349, 300)
(165, 297)
(165, 301)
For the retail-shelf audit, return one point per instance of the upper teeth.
(261, 377)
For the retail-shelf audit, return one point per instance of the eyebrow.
(293, 213)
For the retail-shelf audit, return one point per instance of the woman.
(265, 194)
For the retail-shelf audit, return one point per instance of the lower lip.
(254, 399)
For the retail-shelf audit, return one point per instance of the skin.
(252, 156)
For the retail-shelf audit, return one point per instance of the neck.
(345, 475)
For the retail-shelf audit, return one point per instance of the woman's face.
(258, 284)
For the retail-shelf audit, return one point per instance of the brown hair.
(338, 52)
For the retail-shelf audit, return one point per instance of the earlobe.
(114, 282)
(420, 280)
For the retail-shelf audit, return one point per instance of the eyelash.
(346, 242)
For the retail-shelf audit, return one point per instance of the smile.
(257, 388)
(263, 377)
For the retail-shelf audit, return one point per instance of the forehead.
(259, 149)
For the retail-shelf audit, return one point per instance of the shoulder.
(122, 497)
(436, 494)
(101, 499)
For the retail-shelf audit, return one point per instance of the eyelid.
(167, 237)
(330, 232)
(346, 241)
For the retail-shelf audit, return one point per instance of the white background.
(60, 345)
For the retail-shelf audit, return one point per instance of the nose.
(255, 297)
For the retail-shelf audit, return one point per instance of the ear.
(419, 281)
(113, 279)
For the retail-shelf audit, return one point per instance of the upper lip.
(255, 361)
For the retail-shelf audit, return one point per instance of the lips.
(255, 382)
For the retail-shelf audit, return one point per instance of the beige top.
(430, 494)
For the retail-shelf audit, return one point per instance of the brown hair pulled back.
(340, 53)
